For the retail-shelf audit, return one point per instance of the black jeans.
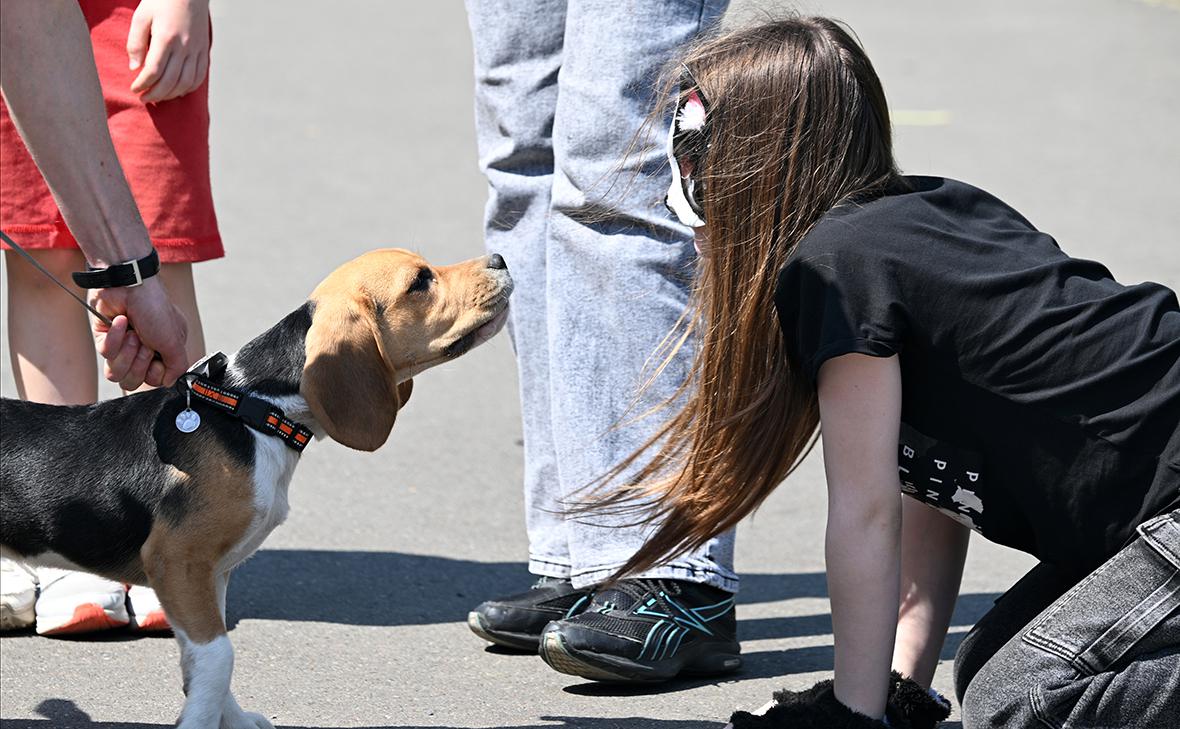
(1104, 652)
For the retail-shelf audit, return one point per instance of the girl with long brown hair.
(949, 352)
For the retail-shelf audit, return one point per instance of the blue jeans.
(602, 273)
(1104, 652)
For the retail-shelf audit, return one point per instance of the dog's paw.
(245, 720)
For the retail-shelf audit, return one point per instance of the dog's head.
(381, 319)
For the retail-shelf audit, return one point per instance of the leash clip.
(210, 367)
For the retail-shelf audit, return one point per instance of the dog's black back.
(88, 482)
(75, 480)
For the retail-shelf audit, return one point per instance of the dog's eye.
(423, 280)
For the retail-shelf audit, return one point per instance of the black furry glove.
(909, 706)
(910, 702)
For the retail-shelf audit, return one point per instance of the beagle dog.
(173, 488)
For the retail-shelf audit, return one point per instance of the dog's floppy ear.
(349, 386)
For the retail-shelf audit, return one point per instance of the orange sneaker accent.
(87, 618)
(154, 622)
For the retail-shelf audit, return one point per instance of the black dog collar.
(255, 412)
(132, 273)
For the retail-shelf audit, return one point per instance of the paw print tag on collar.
(188, 420)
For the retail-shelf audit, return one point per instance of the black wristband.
(132, 273)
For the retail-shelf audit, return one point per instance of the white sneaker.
(18, 592)
(146, 613)
(78, 602)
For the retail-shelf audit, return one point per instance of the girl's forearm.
(52, 90)
(933, 548)
(860, 415)
(863, 565)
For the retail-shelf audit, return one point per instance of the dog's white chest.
(274, 464)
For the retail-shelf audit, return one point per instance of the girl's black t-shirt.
(1041, 398)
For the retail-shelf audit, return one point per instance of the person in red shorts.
(152, 59)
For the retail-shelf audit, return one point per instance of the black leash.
(16, 247)
(253, 411)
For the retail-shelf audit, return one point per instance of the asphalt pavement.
(344, 126)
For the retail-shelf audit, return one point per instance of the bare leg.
(53, 358)
(178, 280)
(53, 361)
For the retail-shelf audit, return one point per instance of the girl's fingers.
(153, 68)
(163, 88)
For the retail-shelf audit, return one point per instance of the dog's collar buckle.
(210, 367)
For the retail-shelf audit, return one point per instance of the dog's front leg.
(232, 716)
(206, 667)
(191, 595)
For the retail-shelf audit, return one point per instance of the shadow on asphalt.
(392, 588)
(755, 665)
(806, 659)
(968, 610)
(115, 635)
(768, 664)
(64, 714)
(811, 659)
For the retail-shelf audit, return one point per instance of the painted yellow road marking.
(920, 117)
(1172, 4)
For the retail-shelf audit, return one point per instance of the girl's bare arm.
(860, 416)
(933, 548)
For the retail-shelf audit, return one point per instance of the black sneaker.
(517, 621)
(646, 630)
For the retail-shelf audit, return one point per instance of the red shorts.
(164, 150)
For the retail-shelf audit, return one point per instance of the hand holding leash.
(159, 328)
(155, 354)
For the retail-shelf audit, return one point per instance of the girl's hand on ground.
(170, 40)
(159, 328)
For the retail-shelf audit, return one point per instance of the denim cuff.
(689, 572)
(549, 567)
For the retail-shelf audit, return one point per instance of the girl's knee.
(996, 697)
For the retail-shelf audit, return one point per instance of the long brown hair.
(797, 124)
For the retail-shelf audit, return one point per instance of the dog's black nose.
(497, 261)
